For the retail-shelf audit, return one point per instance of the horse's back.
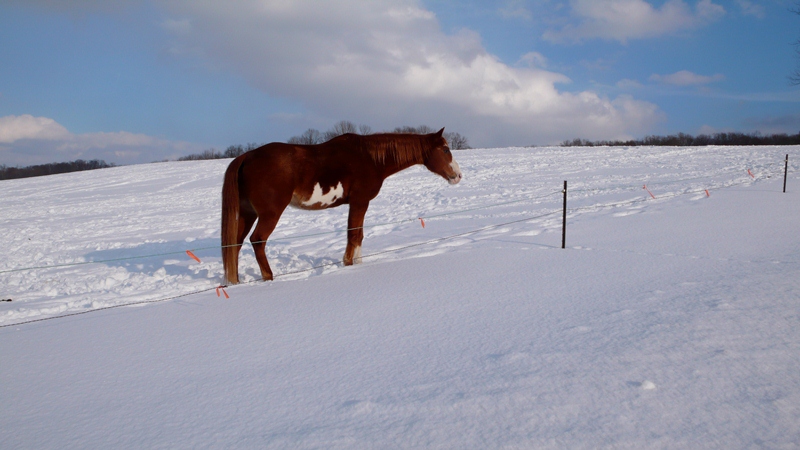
(290, 173)
(275, 155)
(271, 168)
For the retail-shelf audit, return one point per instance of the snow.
(667, 322)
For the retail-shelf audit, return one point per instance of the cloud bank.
(387, 62)
(686, 78)
(18, 128)
(623, 20)
(383, 63)
(28, 140)
(751, 9)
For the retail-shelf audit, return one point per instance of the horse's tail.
(230, 221)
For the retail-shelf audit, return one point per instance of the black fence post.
(564, 220)
(785, 172)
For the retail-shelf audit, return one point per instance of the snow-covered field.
(667, 322)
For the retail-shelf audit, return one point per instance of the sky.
(139, 81)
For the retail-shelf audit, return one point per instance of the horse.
(348, 169)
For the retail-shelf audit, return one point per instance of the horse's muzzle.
(456, 176)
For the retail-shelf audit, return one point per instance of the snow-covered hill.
(668, 322)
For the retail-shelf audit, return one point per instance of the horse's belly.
(295, 203)
(319, 198)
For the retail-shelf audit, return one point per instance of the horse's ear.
(439, 133)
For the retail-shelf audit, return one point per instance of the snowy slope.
(668, 322)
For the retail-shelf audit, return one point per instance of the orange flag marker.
(193, 256)
(648, 191)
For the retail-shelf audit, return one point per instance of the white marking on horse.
(357, 255)
(327, 198)
(457, 171)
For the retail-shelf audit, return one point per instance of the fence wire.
(595, 206)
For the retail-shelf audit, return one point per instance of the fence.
(564, 211)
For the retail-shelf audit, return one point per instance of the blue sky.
(139, 81)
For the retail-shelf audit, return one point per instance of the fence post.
(564, 220)
(785, 171)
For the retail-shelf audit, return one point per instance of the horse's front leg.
(355, 233)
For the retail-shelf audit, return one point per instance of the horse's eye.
(446, 151)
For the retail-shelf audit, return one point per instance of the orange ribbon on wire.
(222, 288)
(193, 256)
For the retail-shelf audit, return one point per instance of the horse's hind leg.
(247, 217)
(264, 227)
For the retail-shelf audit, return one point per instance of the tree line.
(9, 173)
(687, 140)
(313, 136)
(456, 141)
(309, 137)
(231, 152)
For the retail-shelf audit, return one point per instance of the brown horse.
(350, 169)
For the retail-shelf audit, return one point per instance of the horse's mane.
(403, 148)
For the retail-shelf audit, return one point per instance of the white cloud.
(628, 84)
(533, 59)
(515, 9)
(387, 63)
(76, 7)
(709, 11)
(686, 78)
(177, 26)
(27, 140)
(622, 20)
(16, 128)
(751, 9)
(788, 123)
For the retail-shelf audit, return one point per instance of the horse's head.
(439, 160)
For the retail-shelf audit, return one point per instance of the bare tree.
(422, 129)
(456, 141)
(7, 173)
(340, 128)
(309, 137)
(233, 151)
(312, 136)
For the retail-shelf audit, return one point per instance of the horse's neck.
(391, 167)
(398, 153)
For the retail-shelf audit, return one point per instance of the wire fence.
(285, 238)
(749, 178)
